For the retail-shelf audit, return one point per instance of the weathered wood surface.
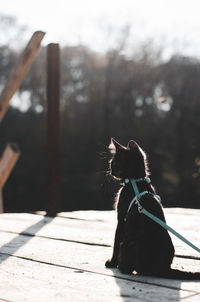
(62, 259)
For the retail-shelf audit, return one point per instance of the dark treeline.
(102, 95)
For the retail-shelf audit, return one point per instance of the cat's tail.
(179, 275)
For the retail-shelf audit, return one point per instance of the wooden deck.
(62, 259)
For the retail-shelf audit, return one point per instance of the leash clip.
(140, 208)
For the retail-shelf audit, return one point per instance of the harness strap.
(136, 199)
(168, 228)
(138, 195)
(142, 210)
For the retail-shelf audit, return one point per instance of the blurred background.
(129, 69)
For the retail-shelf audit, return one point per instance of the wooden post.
(1, 201)
(19, 71)
(7, 163)
(53, 130)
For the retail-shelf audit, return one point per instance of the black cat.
(140, 245)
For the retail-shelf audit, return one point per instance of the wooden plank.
(182, 211)
(100, 216)
(81, 259)
(59, 228)
(84, 257)
(53, 129)
(105, 215)
(1, 201)
(23, 280)
(19, 71)
(8, 161)
(184, 221)
(99, 232)
(89, 215)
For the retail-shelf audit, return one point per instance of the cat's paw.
(111, 263)
(125, 270)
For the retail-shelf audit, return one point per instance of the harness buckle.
(140, 208)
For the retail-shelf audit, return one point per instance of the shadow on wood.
(130, 290)
(23, 238)
(64, 261)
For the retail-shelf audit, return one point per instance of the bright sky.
(172, 23)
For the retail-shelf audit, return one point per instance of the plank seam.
(187, 257)
(70, 217)
(98, 273)
(191, 296)
(58, 239)
(82, 242)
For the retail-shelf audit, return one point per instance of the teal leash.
(167, 227)
(142, 210)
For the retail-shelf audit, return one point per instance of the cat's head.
(128, 162)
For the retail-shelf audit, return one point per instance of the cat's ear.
(115, 146)
(132, 145)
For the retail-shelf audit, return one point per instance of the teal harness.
(136, 200)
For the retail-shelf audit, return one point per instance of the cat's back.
(152, 232)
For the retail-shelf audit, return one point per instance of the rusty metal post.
(53, 130)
